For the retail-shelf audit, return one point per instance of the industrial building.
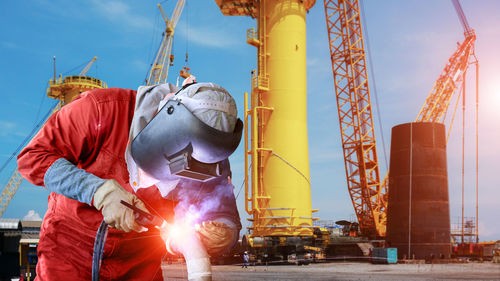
(18, 241)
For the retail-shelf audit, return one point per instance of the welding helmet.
(176, 142)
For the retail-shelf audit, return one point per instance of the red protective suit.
(92, 133)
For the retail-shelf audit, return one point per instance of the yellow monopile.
(278, 190)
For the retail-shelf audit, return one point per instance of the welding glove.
(217, 236)
(107, 199)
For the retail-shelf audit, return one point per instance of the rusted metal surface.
(418, 210)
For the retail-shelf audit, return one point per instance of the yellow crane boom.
(9, 191)
(163, 59)
(87, 67)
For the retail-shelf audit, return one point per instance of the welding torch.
(144, 218)
(195, 254)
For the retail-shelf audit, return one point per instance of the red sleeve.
(69, 133)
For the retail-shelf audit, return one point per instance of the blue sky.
(410, 41)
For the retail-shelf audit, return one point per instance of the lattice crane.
(355, 115)
(369, 194)
(437, 103)
(164, 59)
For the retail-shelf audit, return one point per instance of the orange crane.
(436, 104)
(368, 193)
(355, 115)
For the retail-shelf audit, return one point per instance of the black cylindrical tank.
(418, 221)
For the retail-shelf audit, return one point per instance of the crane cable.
(372, 73)
(151, 55)
(454, 113)
(77, 67)
(187, 34)
(28, 137)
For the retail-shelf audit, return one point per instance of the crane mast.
(355, 115)
(437, 103)
(163, 59)
(10, 190)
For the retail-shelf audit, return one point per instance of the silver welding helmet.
(177, 143)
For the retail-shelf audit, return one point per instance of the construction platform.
(346, 271)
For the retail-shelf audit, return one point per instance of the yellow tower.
(68, 88)
(278, 194)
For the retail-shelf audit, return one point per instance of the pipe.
(182, 238)
(197, 260)
(194, 252)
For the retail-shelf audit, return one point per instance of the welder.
(161, 149)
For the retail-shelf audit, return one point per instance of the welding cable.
(100, 241)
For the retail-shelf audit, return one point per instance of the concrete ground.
(346, 271)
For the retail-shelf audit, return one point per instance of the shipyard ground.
(347, 271)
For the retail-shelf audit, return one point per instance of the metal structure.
(437, 103)
(277, 191)
(68, 88)
(87, 67)
(10, 190)
(355, 115)
(65, 90)
(164, 59)
(464, 231)
(418, 219)
(368, 193)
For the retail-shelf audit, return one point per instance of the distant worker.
(112, 145)
(246, 258)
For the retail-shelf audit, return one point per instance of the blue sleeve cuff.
(66, 179)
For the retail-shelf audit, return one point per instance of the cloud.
(119, 12)
(140, 65)
(323, 156)
(9, 45)
(32, 216)
(114, 11)
(210, 37)
(6, 125)
(9, 128)
(485, 229)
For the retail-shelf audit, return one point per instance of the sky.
(409, 44)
